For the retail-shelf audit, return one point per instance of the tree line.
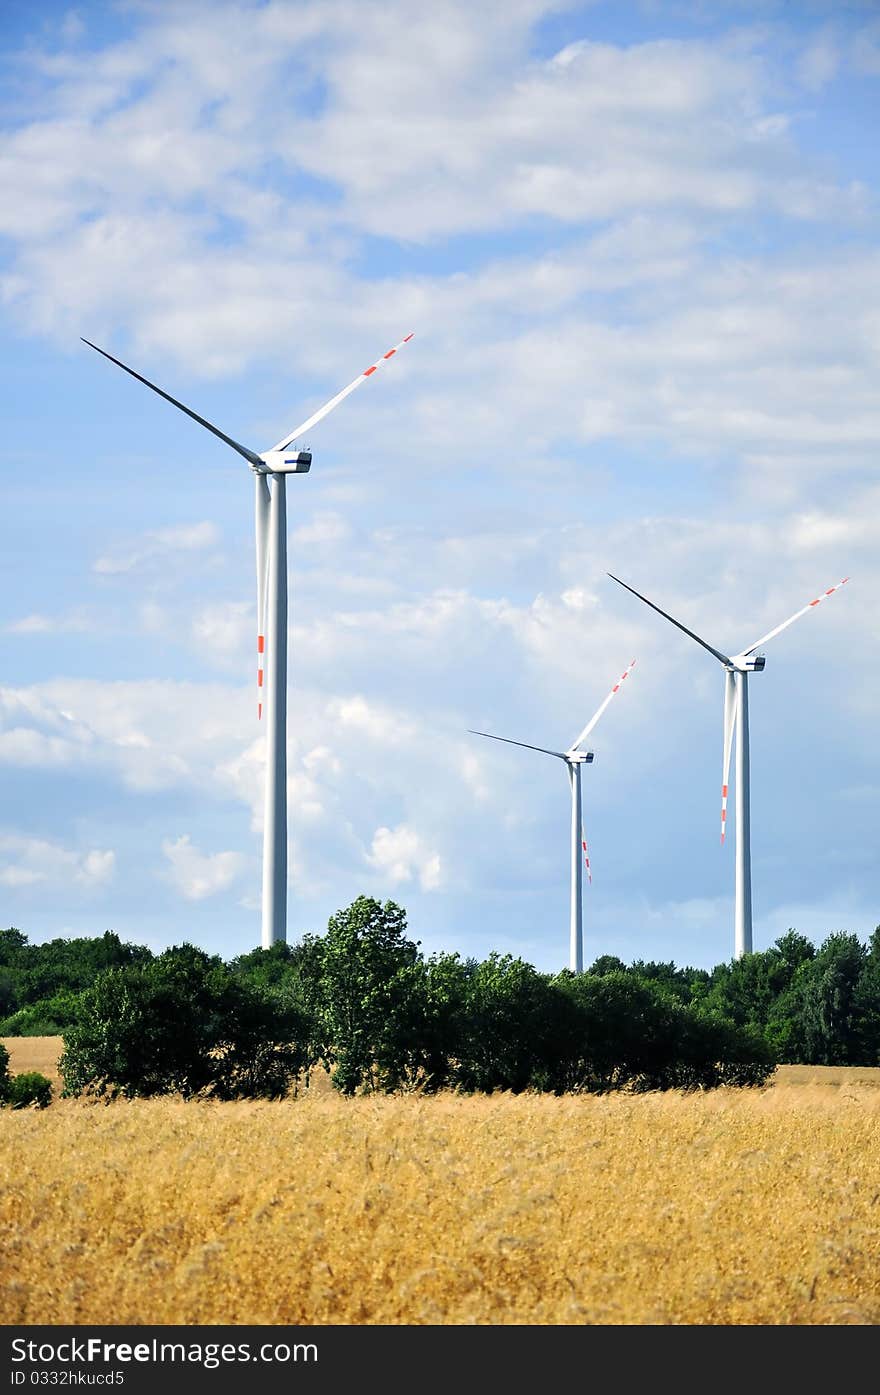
(364, 1003)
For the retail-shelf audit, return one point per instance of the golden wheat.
(35, 1053)
(725, 1207)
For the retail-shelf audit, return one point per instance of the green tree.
(47, 1017)
(511, 1035)
(356, 981)
(637, 1033)
(182, 1023)
(607, 964)
(265, 968)
(748, 990)
(816, 1020)
(678, 982)
(866, 1006)
(34, 974)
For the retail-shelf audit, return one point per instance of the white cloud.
(227, 633)
(187, 537)
(37, 624)
(97, 867)
(401, 854)
(819, 62)
(156, 545)
(323, 529)
(442, 124)
(36, 860)
(196, 874)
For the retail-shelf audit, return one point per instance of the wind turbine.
(271, 531)
(737, 668)
(574, 759)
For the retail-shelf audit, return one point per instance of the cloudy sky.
(637, 244)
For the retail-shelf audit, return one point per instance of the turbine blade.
(334, 401)
(730, 705)
(790, 621)
(249, 455)
(263, 500)
(722, 658)
(598, 713)
(586, 855)
(542, 749)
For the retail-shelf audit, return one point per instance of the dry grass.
(837, 1076)
(35, 1053)
(725, 1207)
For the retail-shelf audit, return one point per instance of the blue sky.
(637, 244)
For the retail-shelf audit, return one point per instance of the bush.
(48, 1017)
(513, 1031)
(4, 1071)
(29, 1088)
(181, 1024)
(636, 1034)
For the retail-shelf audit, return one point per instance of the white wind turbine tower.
(271, 530)
(737, 668)
(574, 759)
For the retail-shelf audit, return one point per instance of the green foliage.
(31, 974)
(607, 964)
(4, 1071)
(748, 990)
(182, 1023)
(48, 1017)
(636, 1033)
(866, 1007)
(362, 1000)
(509, 1029)
(361, 991)
(818, 1020)
(683, 984)
(28, 1088)
(266, 968)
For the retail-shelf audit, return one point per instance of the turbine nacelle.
(285, 462)
(747, 663)
(580, 757)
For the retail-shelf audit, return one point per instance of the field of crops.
(725, 1207)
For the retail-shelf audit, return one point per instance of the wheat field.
(716, 1208)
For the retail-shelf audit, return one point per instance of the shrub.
(182, 1023)
(29, 1088)
(513, 1035)
(48, 1017)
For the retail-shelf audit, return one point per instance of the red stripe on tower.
(368, 371)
